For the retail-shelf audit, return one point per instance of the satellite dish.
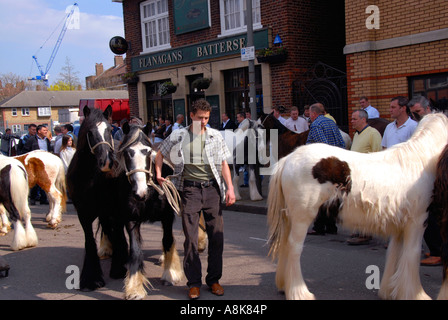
(118, 45)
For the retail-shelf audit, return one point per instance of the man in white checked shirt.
(198, 154)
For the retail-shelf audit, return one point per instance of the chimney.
(118, 60)
(99, 69)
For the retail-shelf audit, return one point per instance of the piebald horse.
(14, 200)
(385, 193)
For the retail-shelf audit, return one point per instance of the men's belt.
(202, 184)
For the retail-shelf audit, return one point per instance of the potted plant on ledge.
(201, 83)
(130, 78)
(272, 55)
(167, 88)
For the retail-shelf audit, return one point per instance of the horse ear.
(108, 112)
(86, 111)
(148, 128)
(126, 127)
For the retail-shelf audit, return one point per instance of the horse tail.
(18, 189)
(277, 220)
(61, 185)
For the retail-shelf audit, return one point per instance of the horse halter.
(92, 149)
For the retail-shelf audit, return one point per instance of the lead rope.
(167, 189)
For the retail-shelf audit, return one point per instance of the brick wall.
(383, 74)
(397, 18)
(311, 30)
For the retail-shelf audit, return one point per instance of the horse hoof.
(52, 225)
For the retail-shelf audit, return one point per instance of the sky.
(25, 25)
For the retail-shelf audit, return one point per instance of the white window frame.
(44, 111)
(25, 112)
(159, 20)
(16, 128)
(14, 112)
(236, 16)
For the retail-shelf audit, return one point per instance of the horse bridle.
(92, 149)
(168, 189)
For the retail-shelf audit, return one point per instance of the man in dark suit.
(36, 142)
(227, 123)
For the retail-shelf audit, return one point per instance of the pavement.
(332, 269)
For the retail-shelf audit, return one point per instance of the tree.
(68, 78)
(11, 84)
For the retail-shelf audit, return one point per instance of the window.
(14, 112)
(233, 16)
(16, 128)
(43, 111)
(236, 86)
(432, 86)
(155, 25)
(25, 111)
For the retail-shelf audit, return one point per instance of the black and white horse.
(14, 200)
(113, 187)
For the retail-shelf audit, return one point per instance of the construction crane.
(44, 73)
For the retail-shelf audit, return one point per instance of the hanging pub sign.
(191, 15)
(118, 45)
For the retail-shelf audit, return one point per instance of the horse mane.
(95, 116)
(428, 139)
(135, 135)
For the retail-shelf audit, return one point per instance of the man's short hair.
(202, 105)
(402, 101)
(317, 107)
(421, 99)
(362, 114)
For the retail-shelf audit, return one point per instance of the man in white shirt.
(402, 128)
(371, 111)
(179, 120)
(295, 123)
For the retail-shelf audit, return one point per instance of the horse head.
(95, 136)
(135, 157)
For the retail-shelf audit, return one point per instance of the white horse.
(247, 146)
(14, 200)
(385, 193)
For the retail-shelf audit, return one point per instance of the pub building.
(183, 50)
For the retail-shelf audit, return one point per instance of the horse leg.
(236, 181)
(443, 293)
(172, 268)
(295, 286)
(253, 184)
(4, 222)
(31, 236)
(394, 249)
(136, 281)
(54, 216)
(91, 274)
(408, 285)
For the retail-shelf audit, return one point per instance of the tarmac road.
(332, 269)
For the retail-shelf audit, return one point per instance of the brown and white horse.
(385, 193)
(46, 170)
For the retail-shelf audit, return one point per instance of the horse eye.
(145, 152)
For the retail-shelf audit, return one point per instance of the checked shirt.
(324, 130)
(215, 148)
